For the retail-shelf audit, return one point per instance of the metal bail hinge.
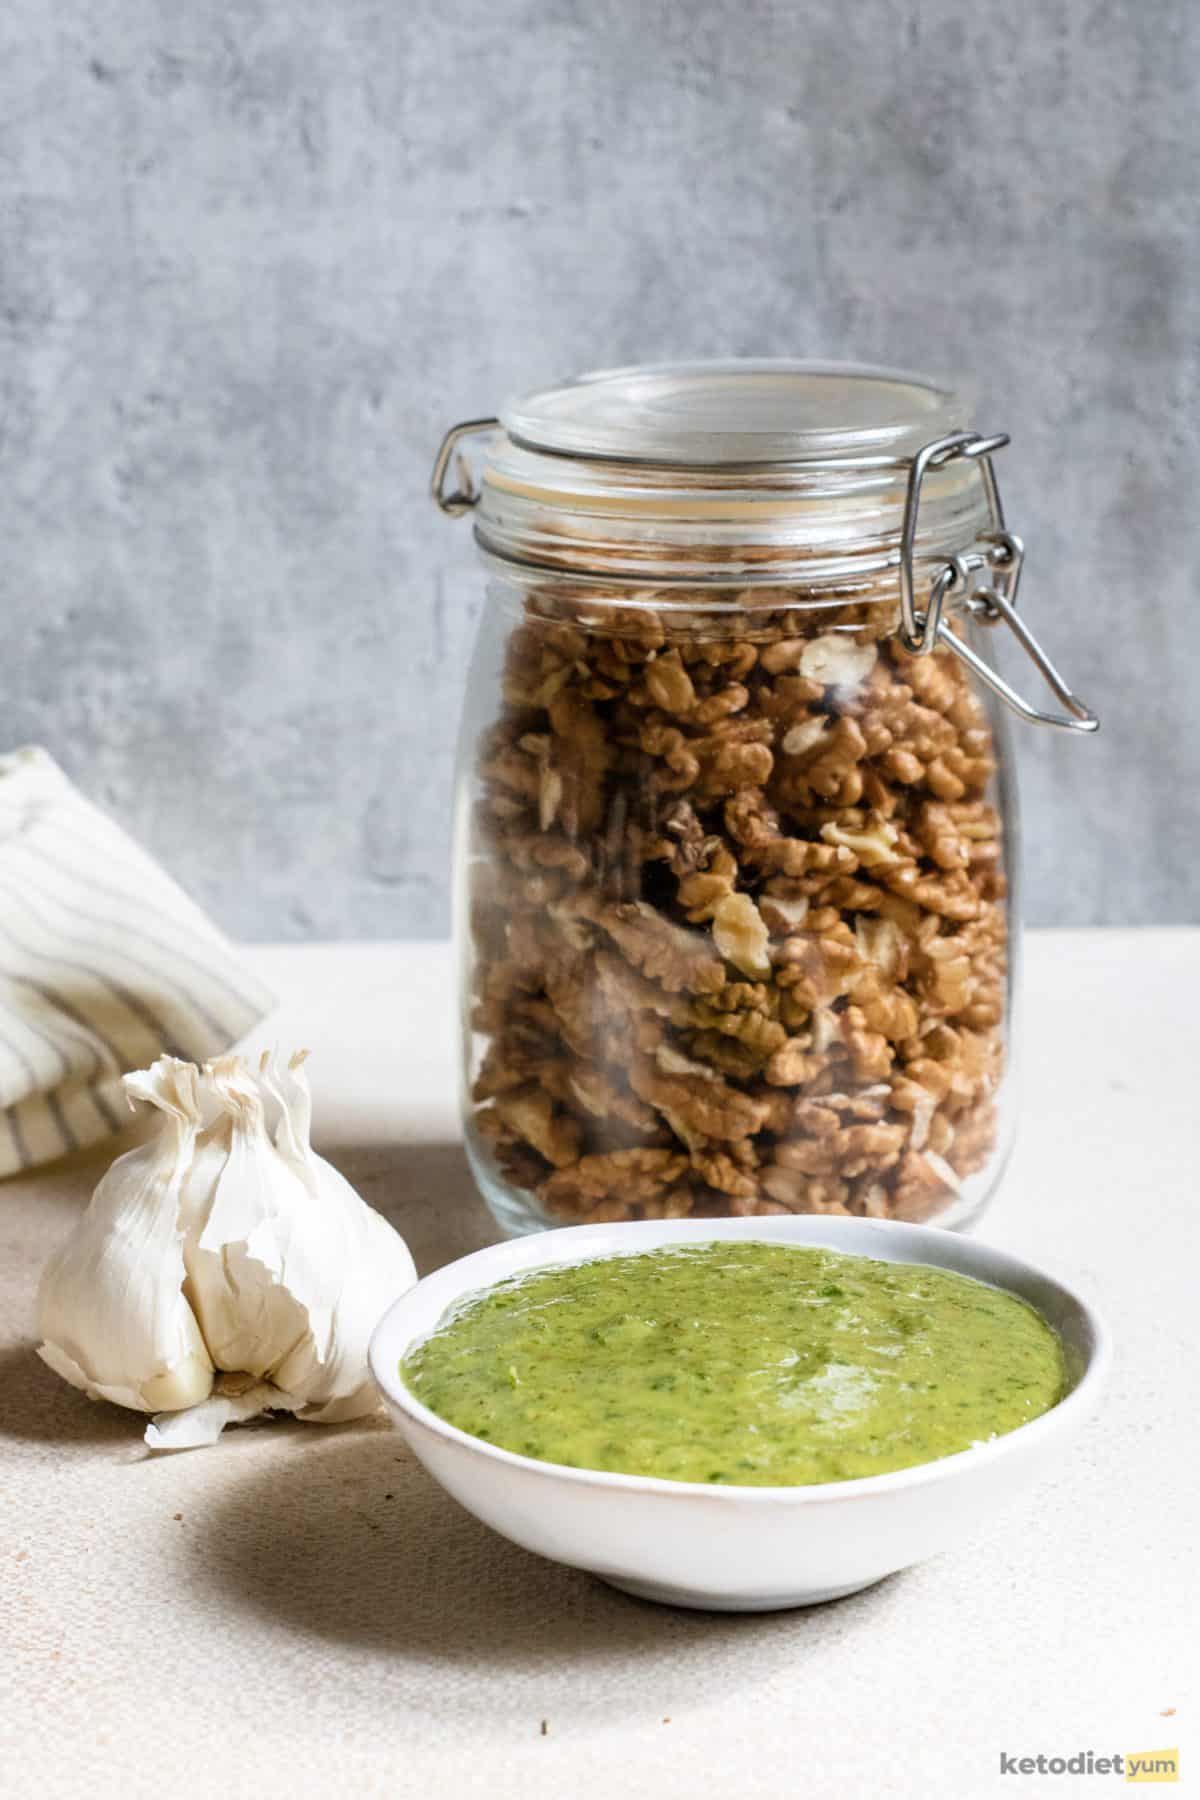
(466, 494)
(991, 601)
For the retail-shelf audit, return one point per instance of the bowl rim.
(1074, 1407)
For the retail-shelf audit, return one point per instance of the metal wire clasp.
(466, 494)
(991, 601)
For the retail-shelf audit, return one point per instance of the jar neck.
(814, 527)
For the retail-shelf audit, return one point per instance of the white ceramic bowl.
(739, 1549)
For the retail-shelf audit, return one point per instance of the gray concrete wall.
(254, 256)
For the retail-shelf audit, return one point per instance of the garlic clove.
(262, 1267)
(379, 1269)
(111, 1309)
(375, 1266)
(187, 1383)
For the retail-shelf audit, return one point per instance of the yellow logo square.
(1152, 1765)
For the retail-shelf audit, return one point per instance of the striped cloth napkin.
(104, 965)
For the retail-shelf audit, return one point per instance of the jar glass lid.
(739, 412)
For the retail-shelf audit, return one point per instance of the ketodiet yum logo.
(1127, 1765)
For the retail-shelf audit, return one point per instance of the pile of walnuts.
(737, 914)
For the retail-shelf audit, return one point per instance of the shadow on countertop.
(38, 1406)
(354, 1543)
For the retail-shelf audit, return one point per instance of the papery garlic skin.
(111, 1309)
(198, 1426)
(226, 1244)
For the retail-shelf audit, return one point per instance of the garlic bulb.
(223, 1269)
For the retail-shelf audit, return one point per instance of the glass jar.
(736, 827)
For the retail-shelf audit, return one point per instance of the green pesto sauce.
(748, 1363)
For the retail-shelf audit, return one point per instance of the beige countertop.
(300, 1611)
